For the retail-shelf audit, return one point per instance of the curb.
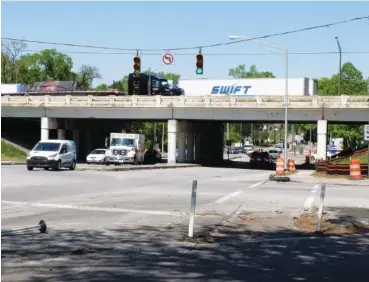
(324, 180)
(136, 168)
(12, 163)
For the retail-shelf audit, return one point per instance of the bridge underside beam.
(347, 115)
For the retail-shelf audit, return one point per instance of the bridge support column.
(76, 140)
(197, 146)
(172, 140)
(190, 144)
(61, 134)
(88, 142)
(46, 124)
(322, 139)
(181, 141)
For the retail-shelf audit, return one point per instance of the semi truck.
(249, 87)
(153, 85)
(125, 148)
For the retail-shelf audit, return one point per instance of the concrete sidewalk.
(305, 176)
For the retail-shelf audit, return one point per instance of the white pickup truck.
(125, 148)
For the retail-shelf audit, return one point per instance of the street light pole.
(340, 73)
(285, 50)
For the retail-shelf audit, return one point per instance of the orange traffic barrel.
(355, 172)
(279, 169)
(291, 165)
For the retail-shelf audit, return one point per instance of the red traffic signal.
(137, 64)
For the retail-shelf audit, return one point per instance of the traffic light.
(136, 75)
(136, 65)
(199, 64)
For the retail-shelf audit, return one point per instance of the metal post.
(340, 73)
(321, 205)
(154, 136)
(252, 133)
(368, 160)
(162, 139)
(193, 208)
(149, 85)
(228, 139)
(286, 111)
(310, 145)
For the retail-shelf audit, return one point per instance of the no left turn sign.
(168, 58)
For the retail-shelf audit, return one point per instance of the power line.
(207, 54)
(194, 47)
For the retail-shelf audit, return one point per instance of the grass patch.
(10, 153)
(324, 175)
(363, 159)
(330, 226)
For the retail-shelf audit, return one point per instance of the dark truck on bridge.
(154, 85)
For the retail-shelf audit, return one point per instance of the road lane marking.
(258, 184)
(92, 208)
(234, 194)
(225, 198)
(310, 199)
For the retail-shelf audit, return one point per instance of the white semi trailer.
(249, 87)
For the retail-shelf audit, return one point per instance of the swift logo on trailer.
(230, 89)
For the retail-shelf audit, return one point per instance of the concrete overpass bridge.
(198, 120)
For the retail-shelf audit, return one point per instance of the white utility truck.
(125, 148)
(249, 87)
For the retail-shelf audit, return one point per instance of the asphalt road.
(126, 226)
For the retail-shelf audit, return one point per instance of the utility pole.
(340, 72)
(154, 135)
(162, 138)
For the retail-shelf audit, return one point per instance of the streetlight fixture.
(285, 50)
(340, 74)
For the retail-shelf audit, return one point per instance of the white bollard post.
(321, 205)
(193, 208)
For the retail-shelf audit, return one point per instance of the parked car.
(152, 157)
(97, 156)
(235, 150)
(274, 153)
(261, 159)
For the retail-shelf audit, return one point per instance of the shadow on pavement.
(91, 255)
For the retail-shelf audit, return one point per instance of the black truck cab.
(153, 85)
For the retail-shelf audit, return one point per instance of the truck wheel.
(135, 162)
(57, 166)
(107, 163)
(73, 166)
(29, 167)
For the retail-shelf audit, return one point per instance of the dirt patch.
(307, 222)
(208, 213)
(202, 238)
(251, 217)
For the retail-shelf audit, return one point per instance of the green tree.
(241, 72)
(101, 87)
(10, 52)
(45, 66)
(352, 82)
(86, 76)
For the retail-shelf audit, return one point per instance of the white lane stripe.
(309, 201)
(225, 198)
(258, 184)
(234, 194)
(91, 208)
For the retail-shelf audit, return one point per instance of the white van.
(53, 154)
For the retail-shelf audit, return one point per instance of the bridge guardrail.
(118, 101)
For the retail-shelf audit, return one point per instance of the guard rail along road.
(91, 101)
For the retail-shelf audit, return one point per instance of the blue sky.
(147, 25)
